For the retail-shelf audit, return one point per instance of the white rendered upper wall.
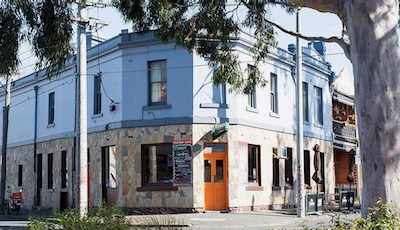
(191, 96)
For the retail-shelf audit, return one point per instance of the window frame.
(257, 164)
(51, 108)
(163, 81)
(159, 185)
(307, 168)
(251, 97)
(275, 168)
(50, 171)
(64, 169)
(318, 106)
(20, 175)
(306, 113)
(274, 93)
(289, 168)
(97, 97)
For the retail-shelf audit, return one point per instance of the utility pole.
(301, 212)
(82, 159)
(82, 111)
(6, 109)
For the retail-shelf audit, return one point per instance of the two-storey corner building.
(345, 142)
(162, 135)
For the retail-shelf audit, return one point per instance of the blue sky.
(313, 23)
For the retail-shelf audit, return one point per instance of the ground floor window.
(275, 167)
(307, 172)
(254, 165)
(157, 165)
(289, 168)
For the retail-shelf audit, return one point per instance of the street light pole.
(299, 96)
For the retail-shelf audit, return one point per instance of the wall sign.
(214, 148)
(182, 162)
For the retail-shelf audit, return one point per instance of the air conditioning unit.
(282, 153)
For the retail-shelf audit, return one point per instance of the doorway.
(215, 181)
(39, 178)
(109, 174)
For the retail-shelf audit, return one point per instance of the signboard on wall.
(182, 163)
(214, 148)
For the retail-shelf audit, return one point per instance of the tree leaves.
(53, 32)
(10, 27)
(46, 24)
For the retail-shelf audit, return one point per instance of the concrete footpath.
(208, 220)
(249, 220)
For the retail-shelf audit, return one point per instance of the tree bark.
(374, 51)
(375, 54)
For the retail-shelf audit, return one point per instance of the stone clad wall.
(128, 146)
(20, 156)
(50, 198)
(240, 196)
(128, 142)
(128, 159)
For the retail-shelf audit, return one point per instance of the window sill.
(289, 187)
(50, 190)
(254, 188)
(155, 188)
(156, 107)
(251, 109)
(318, 125)
(64, 190)
(276, 188)
(306, 123)
(272, 114)
(97, 115)
(214, 106)
(51, 125)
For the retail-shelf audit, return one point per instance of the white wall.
(238, 111)
(136, 85)
(191, 93)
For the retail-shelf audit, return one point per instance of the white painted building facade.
(151, 96)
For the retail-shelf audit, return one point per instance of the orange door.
(215, 181)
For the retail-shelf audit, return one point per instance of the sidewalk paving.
(250, 220)
(270, 219)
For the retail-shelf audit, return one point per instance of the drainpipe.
(36, 88)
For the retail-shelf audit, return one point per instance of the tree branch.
(344, 43)
(328, 6)
(340, 41)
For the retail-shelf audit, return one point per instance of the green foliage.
(10, 35)
(210, 28)
(45, 24)
(382, 216)
(103, 217)
(52, 34)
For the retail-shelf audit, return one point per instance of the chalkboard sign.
(182, 162)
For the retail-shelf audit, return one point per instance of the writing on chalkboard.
(182, 163)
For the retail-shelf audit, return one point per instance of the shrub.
(103, 217)
(381, 216)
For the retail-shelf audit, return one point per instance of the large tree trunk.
(374, 52)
